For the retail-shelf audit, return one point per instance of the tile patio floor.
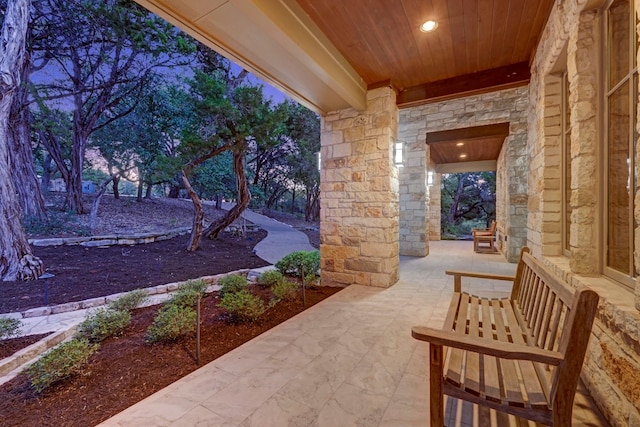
(348, 361)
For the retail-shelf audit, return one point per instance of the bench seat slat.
(491, 377)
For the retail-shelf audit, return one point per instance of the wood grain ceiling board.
(382, 41)
(478, 143)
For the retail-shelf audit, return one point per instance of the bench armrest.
(458, 275)
(500, 349)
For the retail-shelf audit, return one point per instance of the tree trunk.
(73, 201)
(198, 216)
(19, 134)
(93, 215)
(293, 200)
(218, 201)
(147, 194)
(16, 258)
(46, 173)
(140, 188)
(116, 182)
(244, 196)
(174, 191)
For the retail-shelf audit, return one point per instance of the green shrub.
(232, 284)
(285, 290)
(243, 305)
(61, 362)
(296, 262)
(103, 323)
(9, 327)
(311, 279)
(271, 278)
(187, 294)
(130, 300)
(171, 323)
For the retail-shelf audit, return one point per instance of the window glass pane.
(619, 181)
(619, 38)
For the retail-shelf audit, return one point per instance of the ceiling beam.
(496, 130)
(464, 167)
(469, 84)
(275, 40)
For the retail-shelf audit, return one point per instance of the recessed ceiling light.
(428, 26)
(459, 144)
(463, 156)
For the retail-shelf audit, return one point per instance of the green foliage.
(187, 294)
(9, 327)
(468, 201)
(297, 263)
(243, 305)
(311, 279)
(231, 284)
(285, 290)
(63, 361)
(130, 300)
(271, 278)
(102, 324)
(172, 322)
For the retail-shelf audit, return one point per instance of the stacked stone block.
(359, 194)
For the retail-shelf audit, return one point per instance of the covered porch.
(347, 361)
(561, 74)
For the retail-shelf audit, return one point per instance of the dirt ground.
(126, 369)
(82, 273)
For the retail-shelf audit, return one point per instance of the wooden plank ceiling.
(479, 45)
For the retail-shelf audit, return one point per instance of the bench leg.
(436, 397)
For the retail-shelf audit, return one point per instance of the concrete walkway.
(348, 361)
(281, 240)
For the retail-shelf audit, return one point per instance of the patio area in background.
(347, 361)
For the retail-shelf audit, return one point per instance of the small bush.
(130, 300)
(296, 262)
(285, 290)
(243, 305)
(187, 293)
(311, 279)
(61, 362)
(271, 278)
(103, 323)
(232, 284)
(171, 323)
(9, 328)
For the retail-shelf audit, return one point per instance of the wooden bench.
(484, 235)
(520, 355)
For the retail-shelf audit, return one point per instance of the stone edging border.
(12, 365)
(112, 239)
(100, 301)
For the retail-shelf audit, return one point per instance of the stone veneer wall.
(434, 216)
(612, 363)
(414, 199)
(509, 105)
(359, 194)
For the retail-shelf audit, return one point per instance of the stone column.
(414, 198)
(582, 55)
(359, 194)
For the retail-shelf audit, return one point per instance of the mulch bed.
(81, 273)
(126, 369)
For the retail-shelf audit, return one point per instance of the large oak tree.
(16, 259)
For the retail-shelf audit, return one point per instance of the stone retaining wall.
(112, 239)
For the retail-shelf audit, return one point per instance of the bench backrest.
(555, 317)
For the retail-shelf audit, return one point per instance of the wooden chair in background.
(484, 238)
